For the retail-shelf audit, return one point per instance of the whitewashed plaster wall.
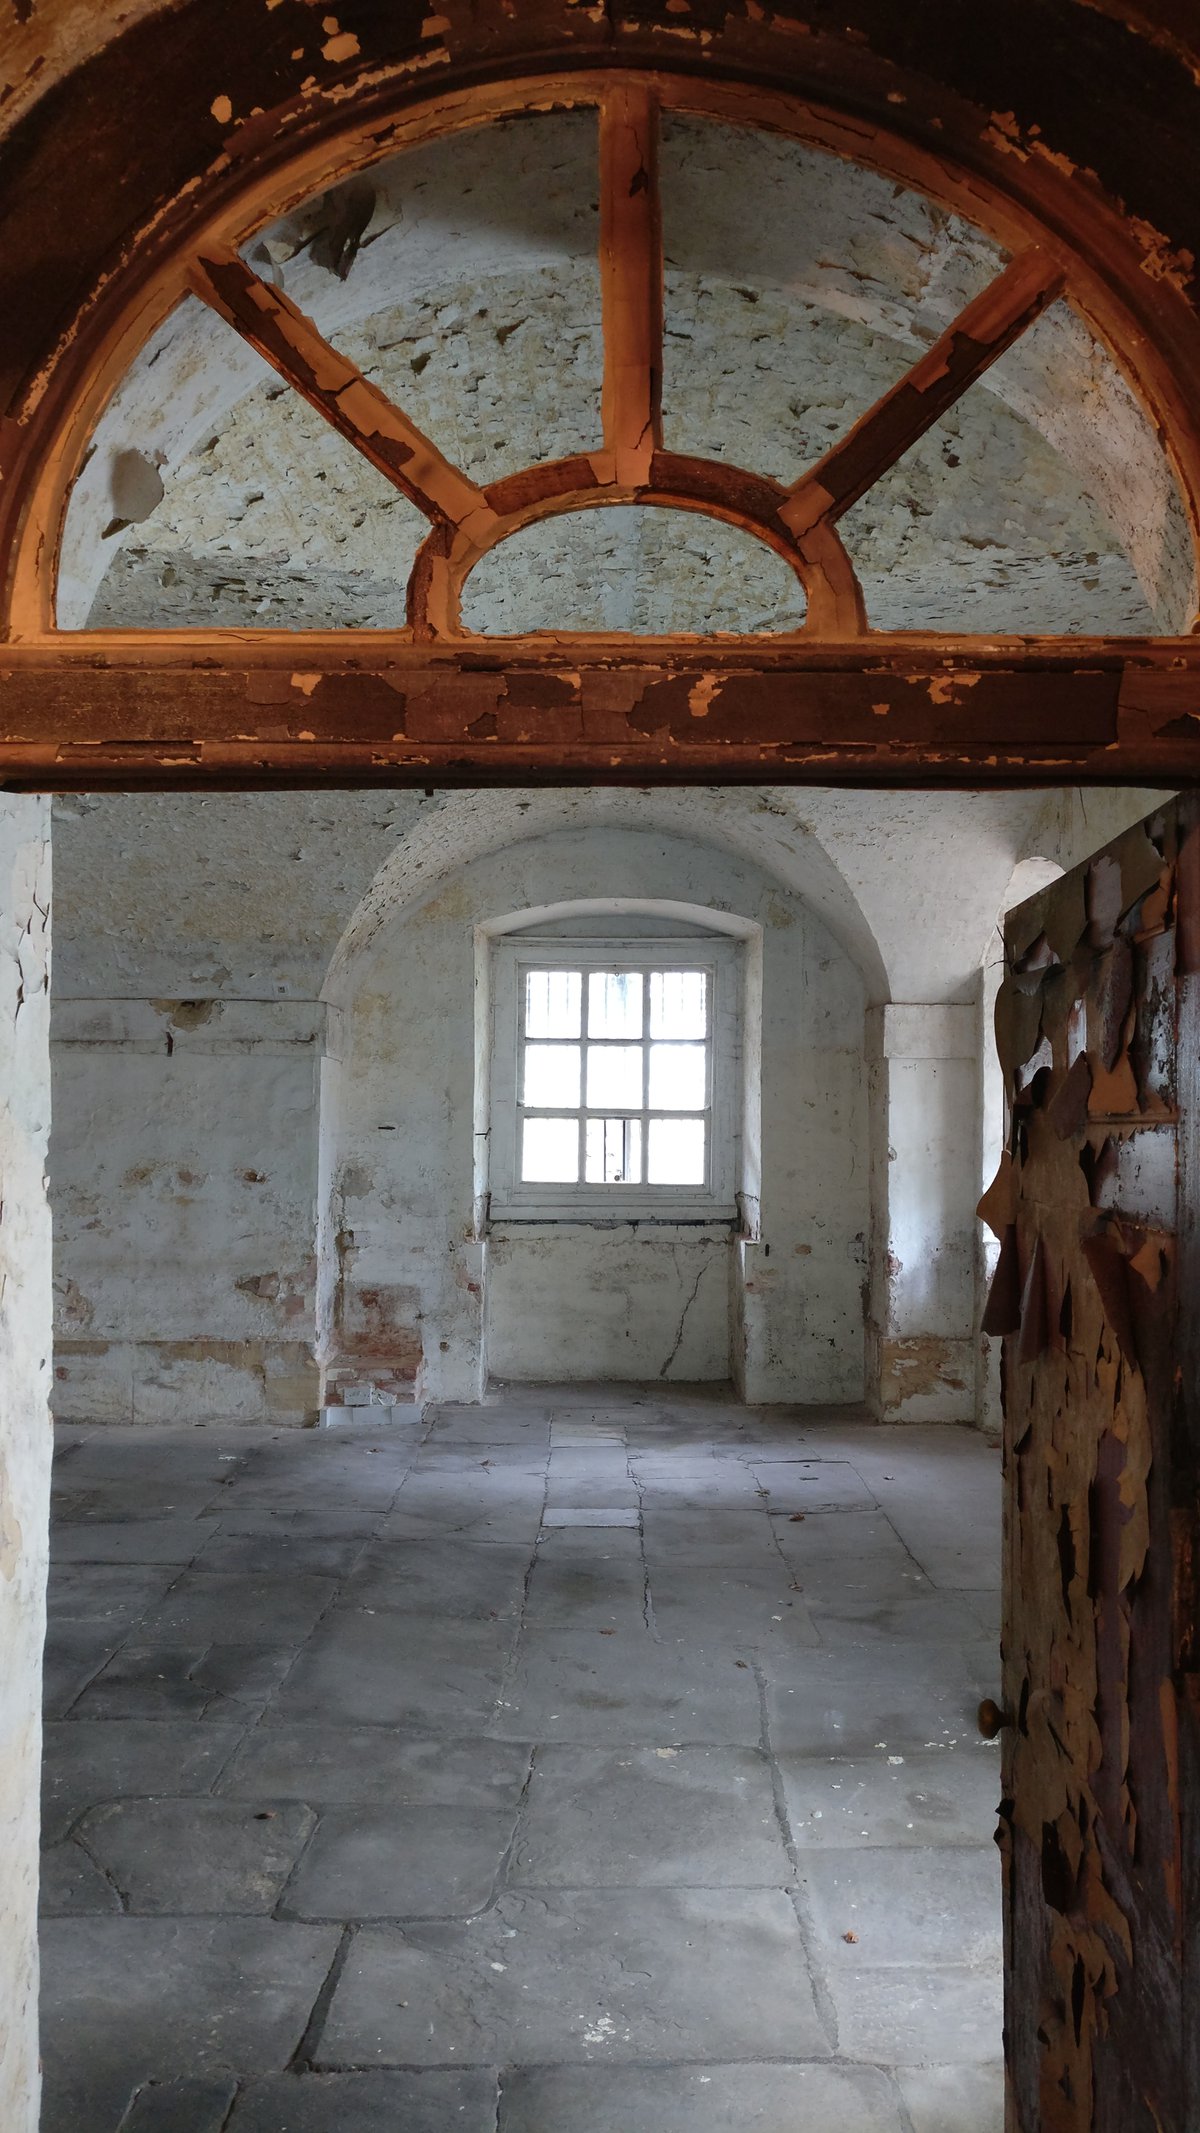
(631, 1302)
(216, 921)
(196, 932)
(187, 1042)
(1074, 823)
(253, 895)
(924, 1082)
(185, 1193)
(933, 1103)
(580, 1300)
(25, 1441)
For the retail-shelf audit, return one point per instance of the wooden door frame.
(1097, 1205)
(428, 705)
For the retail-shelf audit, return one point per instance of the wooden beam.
(237, 708)
(631, 283)
(289, 341)
(981, 333)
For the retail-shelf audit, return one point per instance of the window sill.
(725, 1221)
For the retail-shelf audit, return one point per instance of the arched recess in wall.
(467, 826)
(405, 1266)
(673, 1271)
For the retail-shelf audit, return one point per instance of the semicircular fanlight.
(399, 407)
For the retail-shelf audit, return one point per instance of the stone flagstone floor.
(592, 1761)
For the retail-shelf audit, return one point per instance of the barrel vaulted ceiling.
(462, 279)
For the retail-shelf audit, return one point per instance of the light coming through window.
(615, 1077)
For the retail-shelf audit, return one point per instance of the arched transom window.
(613, 362)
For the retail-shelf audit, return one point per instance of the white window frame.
(511, 1199)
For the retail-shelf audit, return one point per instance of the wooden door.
(1098, 1026)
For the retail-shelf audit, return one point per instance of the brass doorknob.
(992, 1719)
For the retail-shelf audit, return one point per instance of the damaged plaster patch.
(923, 1365)
(135, 489)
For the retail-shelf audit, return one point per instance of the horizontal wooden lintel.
(226, 708)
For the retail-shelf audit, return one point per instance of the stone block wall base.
(276, 1382)
(361, 1382)
(379, 1414)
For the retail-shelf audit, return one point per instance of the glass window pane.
(679, 1003)
(613, 1154)
(552, 1076)
(552, 1002)
(676, 1151)
(550, 1151)
(614, 1077)
(677, 1076)
(615, 1005)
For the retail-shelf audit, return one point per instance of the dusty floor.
(582, 1763)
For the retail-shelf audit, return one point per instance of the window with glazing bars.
(614, 1080)
(615, 1077)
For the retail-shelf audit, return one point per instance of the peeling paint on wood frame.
(184, 710)
(1097, 1023)
(383, 717)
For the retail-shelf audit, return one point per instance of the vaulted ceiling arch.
(471, 826)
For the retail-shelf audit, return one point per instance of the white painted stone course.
(25, 1442)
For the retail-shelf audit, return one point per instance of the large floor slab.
(588, 1761)
(586, 1685)
(712, 2099)
(650, 1817)
(367, 2103)
(125, 1999)
(575, 1975)
(426, 1672)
